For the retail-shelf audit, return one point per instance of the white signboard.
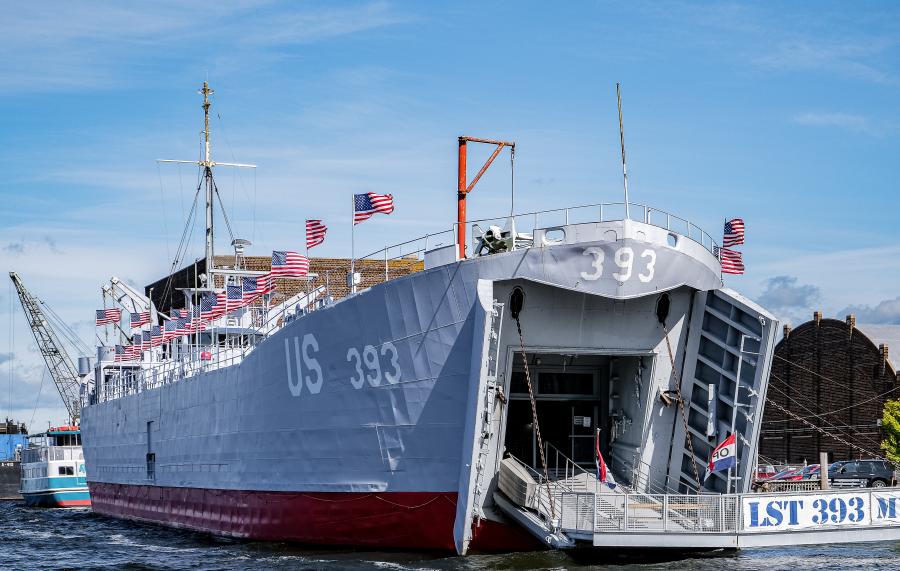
(811, 511)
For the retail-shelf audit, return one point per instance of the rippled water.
(79, 539)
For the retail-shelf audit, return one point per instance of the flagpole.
(352, 246)
(307, 268)
(622, 144)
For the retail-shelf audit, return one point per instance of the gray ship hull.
(375, 421)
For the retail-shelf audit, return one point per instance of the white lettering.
(312, 364)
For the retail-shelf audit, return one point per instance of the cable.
(841, 440)
(162, 198)
(12, 332)
(38, 398)
(820, 429)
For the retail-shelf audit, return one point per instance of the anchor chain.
(537, 426)
(687, 433)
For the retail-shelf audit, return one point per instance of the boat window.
(66, 471)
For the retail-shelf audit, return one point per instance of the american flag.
(289, 264)
(315, 233)
(135, 346)
(156, 336)
(176, 313)
(145, 341)
(140, 318)
(196, 323)
(256, 286)
(734, 233)
(105, 316)
(209, 307)
(120, 353)
(233, 298)
(183, 326)
(365, 205)
(170, 330)
(731, 260)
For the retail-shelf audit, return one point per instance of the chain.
(537, 426)
(825, 432)
(687, 433)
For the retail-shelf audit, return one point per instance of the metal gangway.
(574, 509)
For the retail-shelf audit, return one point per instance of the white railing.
(528, 222)
(589, 513)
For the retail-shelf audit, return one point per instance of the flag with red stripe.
(731, 260)
(369, 203)
(289, 264)
(315, 233)
(106, 316)
(734, 233)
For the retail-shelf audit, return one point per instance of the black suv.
(863, 474)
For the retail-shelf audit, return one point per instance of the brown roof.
(330, 272)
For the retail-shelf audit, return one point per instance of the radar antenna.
(62, 369)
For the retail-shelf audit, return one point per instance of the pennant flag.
(603, 473)
(734, 233)
(365, 205)
(315, 233)
(731, 260)
(723, 456)
(106, 316)
(289, 264)
(139, 319)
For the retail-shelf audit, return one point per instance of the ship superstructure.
(53, 470)
(459, 407)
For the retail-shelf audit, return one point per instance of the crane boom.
(62, 369)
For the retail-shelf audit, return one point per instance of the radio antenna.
(622, 144)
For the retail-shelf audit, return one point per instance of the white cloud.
(849, 58)
(788, 299)
(850, 121)
(101, 45)
(885, 311)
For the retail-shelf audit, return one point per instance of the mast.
(207, 174)
(207, 164)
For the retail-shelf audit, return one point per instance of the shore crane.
(62, 369)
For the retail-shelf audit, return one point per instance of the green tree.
(890, 424)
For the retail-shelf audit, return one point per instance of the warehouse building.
(829, 382)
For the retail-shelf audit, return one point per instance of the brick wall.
(826, 367)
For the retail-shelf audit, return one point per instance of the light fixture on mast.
(207, 163)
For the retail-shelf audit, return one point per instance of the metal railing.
(528, 222)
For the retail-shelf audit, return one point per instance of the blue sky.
(785, 114)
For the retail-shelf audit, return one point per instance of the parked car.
(862, 474)
(788, 474)
(810, 472)
(765, 471)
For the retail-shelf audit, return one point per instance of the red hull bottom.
(394, 520)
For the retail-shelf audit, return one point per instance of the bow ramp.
(570, 508)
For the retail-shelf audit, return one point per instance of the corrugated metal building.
(836, 376)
